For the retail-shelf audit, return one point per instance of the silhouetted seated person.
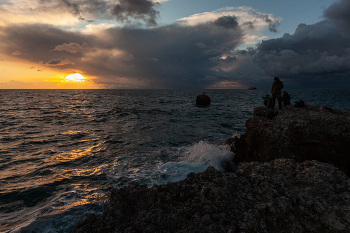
(276, 93)
(285, 99)
(266, 100)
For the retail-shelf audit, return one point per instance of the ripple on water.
(62, 150)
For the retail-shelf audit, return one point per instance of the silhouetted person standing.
(285, 99)
(276, 91)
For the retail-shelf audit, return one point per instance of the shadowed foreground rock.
(280, 196)
(307, 133)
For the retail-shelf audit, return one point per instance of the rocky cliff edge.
(279, 196)
(293, 194)
(306, 133)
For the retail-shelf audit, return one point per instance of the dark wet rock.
(265, 112)
(84, 224)
(279, 196)
(230, 141)
(203, 100)
(308, 133)
(324, 108)
(299, 104)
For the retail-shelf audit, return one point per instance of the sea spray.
(209, 155)
(195, 159)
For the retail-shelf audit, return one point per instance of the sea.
(62, 151)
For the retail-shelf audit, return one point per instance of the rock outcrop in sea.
(307, 133)
(203, 100)
(281, 195)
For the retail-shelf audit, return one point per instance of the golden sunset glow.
(72, 44)
(74, 78)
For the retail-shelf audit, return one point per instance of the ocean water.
(61, 151)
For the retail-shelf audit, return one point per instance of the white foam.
(195, 159)
(209, 155)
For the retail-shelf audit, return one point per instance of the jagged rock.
(308, 133)
(203, 100)
(230, 141)
(279, 196)
(265, 112)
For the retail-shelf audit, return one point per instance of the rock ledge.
(308, 133)
(279, 196)
(279, 186)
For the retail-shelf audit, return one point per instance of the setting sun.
(74, 78)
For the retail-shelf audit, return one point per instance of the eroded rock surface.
(308, 133)
(279, 196)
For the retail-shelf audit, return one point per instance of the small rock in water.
(203, 100)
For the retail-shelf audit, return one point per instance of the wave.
(60, 214)
(196, 159)
(169, 164)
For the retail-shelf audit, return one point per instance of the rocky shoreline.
(277, 188)
(307, 133)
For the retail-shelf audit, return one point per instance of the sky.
(192, 44)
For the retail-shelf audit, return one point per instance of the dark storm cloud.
(59, 62)
(74, 8)
(201, 45)
(249, 51)
(212, 51)
(315, 55)
(97, 6)
(180, 62)
(228, 59)
(54, 61)
(136, 9)
(166, 56)
(38, 40)
(273, 23)
(228, 22)
(93, 8)
(339, 11)
(72, 47)
(249, 24)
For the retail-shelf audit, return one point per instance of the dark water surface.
(61, 151)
